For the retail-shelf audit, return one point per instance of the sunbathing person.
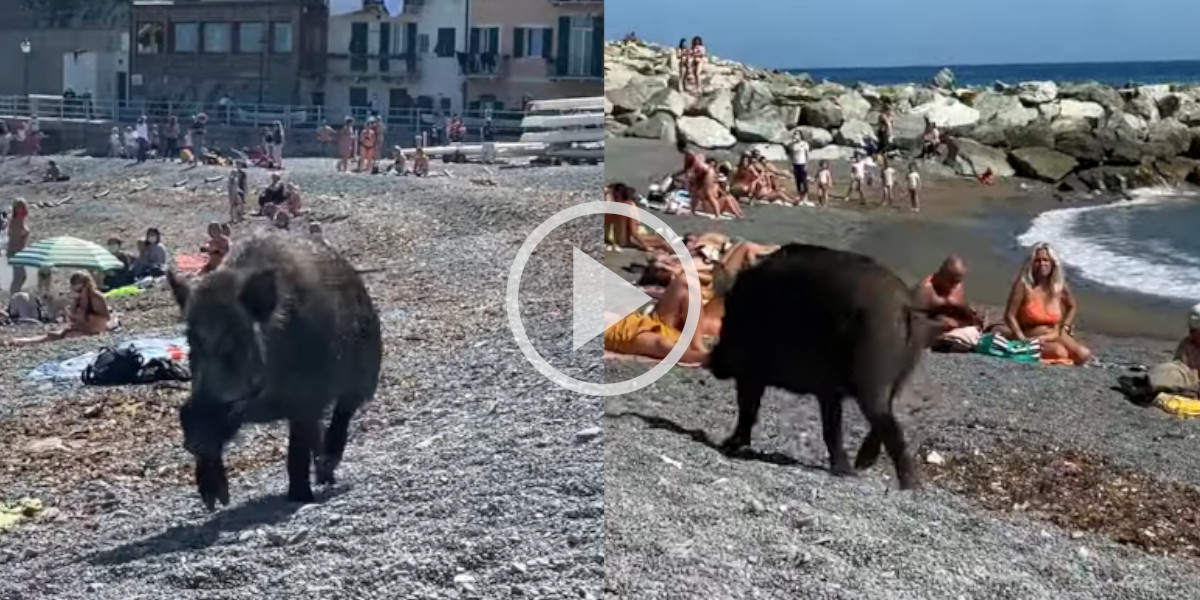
(420, 166)
(1041, 306)
(701, 184)
(1180, 374)
(53, 173)
(625, 232)
(943, 291)
(275, 193)
(89, 313)
(217, 247)
(291, 199)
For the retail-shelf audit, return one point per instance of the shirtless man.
(18, 239)
(944, 291)
(217, 247)
(701, 184)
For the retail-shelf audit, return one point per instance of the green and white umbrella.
(65, 253)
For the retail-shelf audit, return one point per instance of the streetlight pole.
(26, 48)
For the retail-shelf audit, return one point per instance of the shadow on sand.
(266, 510)
(700, 436)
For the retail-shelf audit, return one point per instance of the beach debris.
(672, 462)
(483, 181)
(13, 513)
(101, 194)
(934, 458)
(586, 435)
(139, 188)
(214, 178)
(181, 182)
(754, 507)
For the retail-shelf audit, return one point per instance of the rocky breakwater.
(1080, 136)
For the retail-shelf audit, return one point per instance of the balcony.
(398, 68)
(413, 7)
(483, 66)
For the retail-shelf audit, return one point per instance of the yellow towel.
(1180, 406)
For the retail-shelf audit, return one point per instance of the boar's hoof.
(325, 468)
(302, 495)
(734, 443)
(910, 483)
(842, 468)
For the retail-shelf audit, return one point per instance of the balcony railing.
(371, 65)
(483, 65)
(118, 112)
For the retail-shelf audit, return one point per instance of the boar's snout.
(207, 427)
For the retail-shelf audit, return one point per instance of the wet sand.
(980, 223)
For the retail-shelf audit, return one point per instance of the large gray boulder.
(1123, 137)
(1094, 92)
(825, 114)
(974, 159)
(855, 133)
(944, 79)
(717, 105)
(1042, 163)
(634, 95)
(669, 101)
(815, 136)
(1070, 108)
(908, 129)
(1005, 108)
(1167, 139)
(763, 126)
(1037, 92)
(1080, 145)
(948, 113)
(660, 126)
(704, 132)
(1143, 106)
(854, 106)
(1188, 113)
(1032, 135)
(751, 97)
(1170, 104)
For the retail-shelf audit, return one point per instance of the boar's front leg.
(749, 398)
(335, 441)
(304, 441)
(831, 425)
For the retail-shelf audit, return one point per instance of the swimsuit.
(620, 335)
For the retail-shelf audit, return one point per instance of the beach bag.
(114, 366)
(163, 369)
(994, 344)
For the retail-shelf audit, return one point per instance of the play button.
(599, 299)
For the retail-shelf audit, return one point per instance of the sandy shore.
(958, 215)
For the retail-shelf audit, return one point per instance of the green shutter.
(518, 42)
(547, 43)
(410, 46)
(564, 45)
(385, 45)
(494, 39)
(473, 43)
(598, 46)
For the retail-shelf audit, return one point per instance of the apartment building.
(250, 51)
(392, 63)
(533, 49)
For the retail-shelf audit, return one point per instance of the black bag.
(163, 369)
(113, 366)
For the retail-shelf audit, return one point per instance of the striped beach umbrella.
(66, 253)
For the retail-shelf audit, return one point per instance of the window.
(318, 98)
(216, 37)
(445, 42)
(150, 38)
(444, 103)
(423, 43)
(485, 40)
(581, 46)
(532, 42)
(358, 47)
(281, 38)
(399, 43)
(186, 36)
(358, 97)
(250, 38)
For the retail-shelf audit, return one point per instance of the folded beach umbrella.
(65, 252)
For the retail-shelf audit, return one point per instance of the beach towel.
(187, 263)
(175, 349)
(963, 339)
(123, 292)
(1024, 351)
(1180, 406)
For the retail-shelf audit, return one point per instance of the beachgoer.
(89, 313)
(171, 139)
(53, 173)
(988, 177)
(41, 306)
(237, 194)
(695, 64)
(625, 232)
(18, 240)
(398, 165)
(1181, 373)
(701, 184)
(366, 142)
(676, 64)
(914, 187)
(120, 277)
(1041, 306)
(152, 256)
(115, 149)
(217, 247)
(326, 135)
(799, 150)
(884, 130)
(420, 166)
(155, 141)
(317, 234)
(888, 181)
(5, 139)
(276, 148)
(858, 174)
(274, 194)
(291, 198)
(33, 139)
(198, 133)
(944, 290)
(281, 219)
(931, 140)
(824, 183)
(141, 138)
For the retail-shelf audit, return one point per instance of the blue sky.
(883, 33)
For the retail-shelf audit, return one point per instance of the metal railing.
(245, 115)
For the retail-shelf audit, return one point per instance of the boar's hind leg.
(335, 442)
(304, 439)
(831, 424)
(869, 452)
(877, 409)
(749, 397)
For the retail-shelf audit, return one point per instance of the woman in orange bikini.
(1041, 306)
(367, 143)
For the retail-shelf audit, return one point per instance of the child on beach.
(914, 187)
(858, 172)
(236, 188)
(216, 248)
(824, 183)
(889, 182)
(798, 150)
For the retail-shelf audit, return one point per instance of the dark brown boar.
(834, 324)
(283, 330)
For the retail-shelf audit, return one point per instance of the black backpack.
(113, 366)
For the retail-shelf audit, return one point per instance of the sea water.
(1111, 73)
(1148, 245)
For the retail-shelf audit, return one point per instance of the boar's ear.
(258, 294)
(180, 288)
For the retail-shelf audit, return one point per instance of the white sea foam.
(1100, 258)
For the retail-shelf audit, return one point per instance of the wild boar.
(283, 329)
(813, 320)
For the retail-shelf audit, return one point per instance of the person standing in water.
(18, 239)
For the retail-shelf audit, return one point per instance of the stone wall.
(1080, 136)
